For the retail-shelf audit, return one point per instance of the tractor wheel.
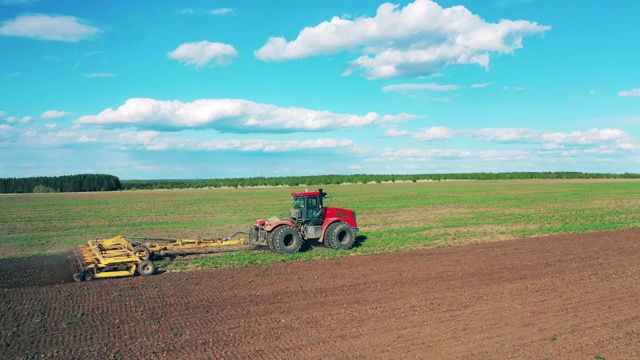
(254, 235)
(142, 252)
(339, 235)
(270, 241)
(146, 268)
(286, 239)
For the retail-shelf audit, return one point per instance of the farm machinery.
(308, 220)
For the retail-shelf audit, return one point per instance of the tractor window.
(298, 202)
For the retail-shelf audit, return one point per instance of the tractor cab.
(307, 206)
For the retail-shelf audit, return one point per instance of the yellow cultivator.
(106, 258)
(120, 256)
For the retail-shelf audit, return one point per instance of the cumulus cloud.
(53, 114)
(38, 136)
(48, 27)
(629, 93)
(203, 53)
(230, 115)
(418, 40)
(413, 87)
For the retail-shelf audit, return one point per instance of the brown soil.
(569, 297)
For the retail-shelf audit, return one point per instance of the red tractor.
(309, 219)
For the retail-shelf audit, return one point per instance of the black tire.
(146, 268)
(339, 235)
(270, 241)
(142, 252)
(286, 239)
(254, 234)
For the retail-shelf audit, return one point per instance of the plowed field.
(562, 297)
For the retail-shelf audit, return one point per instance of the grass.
(392, 216)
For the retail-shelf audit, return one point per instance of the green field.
(392, 216)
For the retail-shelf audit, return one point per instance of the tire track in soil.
(557, 297)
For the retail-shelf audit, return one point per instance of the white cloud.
(479, 86)
(433, 133)
(23, 120)
(428, 155)
(94, 75)
(411, 87)
(629, 93)
(273, 145)
(53, 114)
(2, 113)
(216, 12)
(203, 53)
(48, 27)
(549, 140)
(427, 134)
(230, 115)
(222, 11)
(417, 40)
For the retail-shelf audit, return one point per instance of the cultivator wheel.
(142, 252)
(146, 268)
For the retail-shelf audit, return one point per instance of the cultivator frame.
(114, 257)
(169, 246)
(121, 256)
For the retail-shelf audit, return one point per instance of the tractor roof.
(308, 193)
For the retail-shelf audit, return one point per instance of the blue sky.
(215, 89)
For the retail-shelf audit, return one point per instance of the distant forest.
(101, 182)
(67, 183)
(357, 179)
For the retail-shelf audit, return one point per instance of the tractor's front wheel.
(339, 235)
(286, 239)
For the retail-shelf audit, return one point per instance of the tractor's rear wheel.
(286, 239)
(146, 268)
(339, 235)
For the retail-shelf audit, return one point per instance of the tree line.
(102, 182)
(357, 179)
(66, 183)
